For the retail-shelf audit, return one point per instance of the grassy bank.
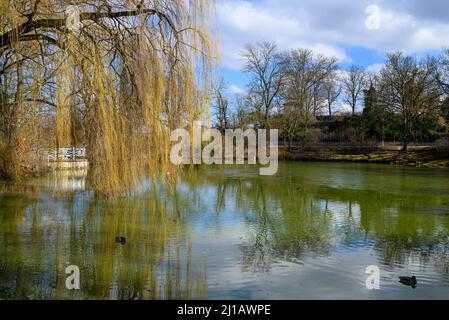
(419, 156)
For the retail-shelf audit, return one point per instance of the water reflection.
(308, 232)
(338, 218)
(41, 236)
(67, 180)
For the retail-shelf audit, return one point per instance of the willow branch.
(17, 34)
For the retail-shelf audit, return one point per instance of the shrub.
(310, 136)
(442, 147)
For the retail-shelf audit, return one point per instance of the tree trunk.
(10, 158)
(405, 138)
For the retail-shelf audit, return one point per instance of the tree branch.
(15, 35)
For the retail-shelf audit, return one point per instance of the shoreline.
(419, 157)
(425, 157)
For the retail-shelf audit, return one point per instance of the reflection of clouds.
(343, 214)
(262, 238)
(316, 242)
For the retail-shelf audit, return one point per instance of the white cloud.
(375, 68)
(243, 22)
(329, 26)
(236, 89)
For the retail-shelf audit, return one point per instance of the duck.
(121, 240)
(409, 281)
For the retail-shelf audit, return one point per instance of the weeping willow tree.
(113, 76)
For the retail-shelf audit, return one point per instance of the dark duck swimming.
(409, 281)
(121, 240)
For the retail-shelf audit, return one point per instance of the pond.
(310, 232)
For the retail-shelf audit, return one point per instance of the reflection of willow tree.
(156, 262)
(12, 282)
(132, 71)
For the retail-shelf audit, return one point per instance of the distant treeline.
(302, 94)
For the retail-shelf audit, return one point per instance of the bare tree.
(409, 87)
(443, 80)
(264, 64)
(332, 89)
(221, 105)
(318, 98)
(306, 76)
(240, 115)
(354, 83)
(292, 121)
(443, 72)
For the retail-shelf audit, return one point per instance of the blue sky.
(355, 31)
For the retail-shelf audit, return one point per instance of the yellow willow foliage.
(64, 79)
(110, 170)
(8, 15)
(121, 85)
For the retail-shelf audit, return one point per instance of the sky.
(355, 31)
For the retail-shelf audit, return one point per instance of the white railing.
(67, 154)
